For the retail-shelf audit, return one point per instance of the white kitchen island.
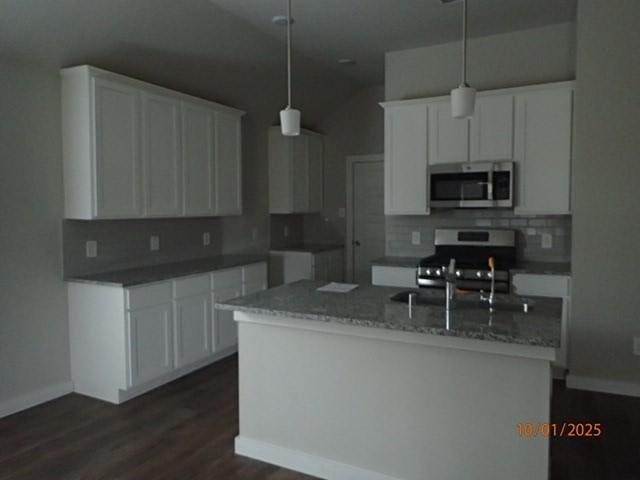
(346, 386)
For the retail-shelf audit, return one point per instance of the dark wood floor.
(185, 431)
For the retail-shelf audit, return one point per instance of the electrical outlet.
(286, 231)
(91, 248)
(206, 239)
(636, 345)
(342, 212)
(254, 234)
(154, 243)
(547, 240)
(415, 238)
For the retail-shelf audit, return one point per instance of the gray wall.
(34, 350)
(538, 55)
(606, 228)
(355, 128)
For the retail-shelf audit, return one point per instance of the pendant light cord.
(289, 54)
(464, 43)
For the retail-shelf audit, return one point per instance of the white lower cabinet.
(287, 266)
(545, 285)
(225, 331)
(126, 341)
(389, 276)
(150, 343)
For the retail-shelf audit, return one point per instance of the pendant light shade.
(290, 121)
(289, 117)
(463, 98)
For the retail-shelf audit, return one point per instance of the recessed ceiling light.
(281, 20)
(347, 61)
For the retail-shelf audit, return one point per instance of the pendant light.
(463, 98)
(289, 117)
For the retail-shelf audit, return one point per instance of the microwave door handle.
(490, 185)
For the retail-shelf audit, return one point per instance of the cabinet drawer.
(255, 273)
(542, 285)
(148, 295)
(226, 278)
(186, 287)
(393, 276)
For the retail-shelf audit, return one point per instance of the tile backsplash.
(530, 231)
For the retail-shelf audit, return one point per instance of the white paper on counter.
(337, 287)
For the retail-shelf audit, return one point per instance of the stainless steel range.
(471, 249)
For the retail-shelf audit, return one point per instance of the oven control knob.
(428, 271)
(489, 275)
(478, 274)
(437, 272)
(458, 273)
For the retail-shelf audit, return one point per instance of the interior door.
(368, 218)
(161, 155)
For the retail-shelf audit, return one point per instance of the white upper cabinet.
(116, 158)
(198, 159)
(161, 156)
(530, 126)
(405, 160)
(228, 176)
(543, 151)
(135, 150)
(448, 136)
(295, 172)
(491, 132)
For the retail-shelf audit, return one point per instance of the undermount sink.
(465, 301)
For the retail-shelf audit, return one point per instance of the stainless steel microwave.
(471, 185)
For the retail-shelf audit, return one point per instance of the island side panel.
(322, 402)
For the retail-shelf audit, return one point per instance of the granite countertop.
(310, 248)
(166, 271)
(370, 306)
(543, 268)
(406, 262)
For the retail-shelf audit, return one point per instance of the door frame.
(351, 160)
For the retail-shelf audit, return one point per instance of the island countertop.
(371, 306)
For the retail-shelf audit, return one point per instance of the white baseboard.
(34, 398)
(303, 462)
(594, 384)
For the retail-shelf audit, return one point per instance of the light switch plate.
(206, 239)
(154, 243)
(415, 238)
(636, 345)
(547, 240)
(91, 248)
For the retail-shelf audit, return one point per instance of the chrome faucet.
(450, 278)
(491, 299)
